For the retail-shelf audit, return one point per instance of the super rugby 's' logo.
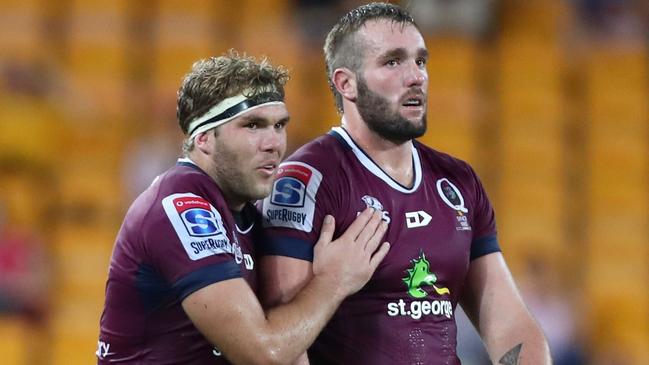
(197, 224)
(420, 275)
(196, 215)
(292, 202)
(289, 189)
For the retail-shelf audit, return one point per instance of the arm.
(231, 317)
(281, 278)
(494, 305)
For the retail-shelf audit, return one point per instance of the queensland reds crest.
(289, 189)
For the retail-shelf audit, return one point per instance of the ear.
(345, 82)
(202, 142)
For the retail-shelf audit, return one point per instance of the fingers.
(327, 231)
(369, 230)
(359, 223)
(379, 255)
(376, 238)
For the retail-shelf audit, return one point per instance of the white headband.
(229, 109)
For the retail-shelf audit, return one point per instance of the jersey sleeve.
(189, 243)
(485, 240)
(294, 211)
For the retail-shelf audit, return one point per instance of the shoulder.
(313, 163)
(184, 178)
(173, 193)
(444, 163)
(321, 153)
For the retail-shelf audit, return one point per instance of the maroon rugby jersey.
(178, 237)
(405, 314)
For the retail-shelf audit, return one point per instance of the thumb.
(327, 231)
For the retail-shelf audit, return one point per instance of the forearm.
(237, 323)
(294, 326)
(493, 303)
(517, 341)
(230, 317)
(281, 279)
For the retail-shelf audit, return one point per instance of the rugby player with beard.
(442, 227)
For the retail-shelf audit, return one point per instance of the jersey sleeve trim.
(483, 246)
(287, 246)
(205, 276)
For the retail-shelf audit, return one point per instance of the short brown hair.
(214, 79)
(341, 48)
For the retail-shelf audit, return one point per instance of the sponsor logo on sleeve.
(292, 201)
(198, 225)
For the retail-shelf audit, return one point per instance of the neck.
(393, 158)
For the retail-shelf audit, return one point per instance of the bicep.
(490, 293)
(281, 278)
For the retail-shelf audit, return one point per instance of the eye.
(392, 62)
(280, 125)
(252, 125)
(421, 62)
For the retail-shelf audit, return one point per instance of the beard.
(232, 177)
(384, 121)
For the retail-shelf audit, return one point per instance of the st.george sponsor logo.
(420, 308)
(418, 276)
(286, 215)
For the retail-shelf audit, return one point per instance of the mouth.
(268, 168)
(414, 101)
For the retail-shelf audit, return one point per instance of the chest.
(430, 233)
(244, 253)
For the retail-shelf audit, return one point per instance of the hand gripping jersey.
(405, 314)
(178, 237)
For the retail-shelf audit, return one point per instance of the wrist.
(329, 286)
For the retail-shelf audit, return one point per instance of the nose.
(274, 140)
(416, 75)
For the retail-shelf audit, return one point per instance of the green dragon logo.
(420, 275)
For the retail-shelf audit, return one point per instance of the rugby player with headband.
(232, 107)
(182, 281)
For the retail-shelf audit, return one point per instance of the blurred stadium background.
(548, 99)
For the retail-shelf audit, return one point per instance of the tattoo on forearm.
(512, 356)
